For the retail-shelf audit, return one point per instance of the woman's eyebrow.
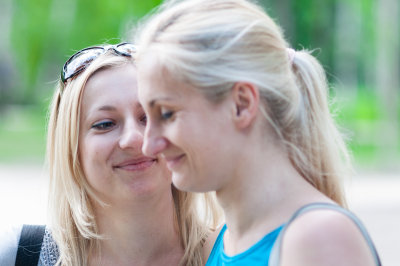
(106, 108)
(154, 101)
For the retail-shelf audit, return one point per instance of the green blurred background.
(357, 41)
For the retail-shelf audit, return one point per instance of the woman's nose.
(131, 137)
(153, 143)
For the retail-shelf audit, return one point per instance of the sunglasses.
(82, 59)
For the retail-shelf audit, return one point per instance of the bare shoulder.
(325, 237)
(209, 243)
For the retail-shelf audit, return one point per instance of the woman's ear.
(246, 98)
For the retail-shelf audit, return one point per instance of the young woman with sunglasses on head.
(232, 108)
(109, 203)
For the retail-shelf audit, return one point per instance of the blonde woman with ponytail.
(233, 109)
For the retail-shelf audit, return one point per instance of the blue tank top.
(258, 254)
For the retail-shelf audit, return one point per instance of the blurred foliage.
(22, 134)
(359, 117)
(306, 24)
(42, 34)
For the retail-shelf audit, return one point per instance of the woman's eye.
(166, 114)
(143, 119)
(105, 125)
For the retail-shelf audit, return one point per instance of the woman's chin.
(186, 183)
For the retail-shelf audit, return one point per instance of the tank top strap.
(276, 249)
(218, 245)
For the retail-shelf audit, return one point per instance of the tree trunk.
(387, 70)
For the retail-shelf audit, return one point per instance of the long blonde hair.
(72, 219)
(211, 44)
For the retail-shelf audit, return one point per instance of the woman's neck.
(144, 232)
(265, 189)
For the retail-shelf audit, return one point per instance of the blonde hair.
(72, 219)
(211, 44)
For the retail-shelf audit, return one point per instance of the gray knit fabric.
(49, 252)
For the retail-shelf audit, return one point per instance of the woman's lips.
(136, 164)
(173, 161)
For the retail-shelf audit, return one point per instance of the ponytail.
(218, 43)
(316, 148)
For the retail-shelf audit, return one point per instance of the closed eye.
(103, 125)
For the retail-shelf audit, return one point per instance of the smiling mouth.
(173, 162)
(136, 165)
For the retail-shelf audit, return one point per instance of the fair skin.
(230, 148)
(138, 221)
(182, 162)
